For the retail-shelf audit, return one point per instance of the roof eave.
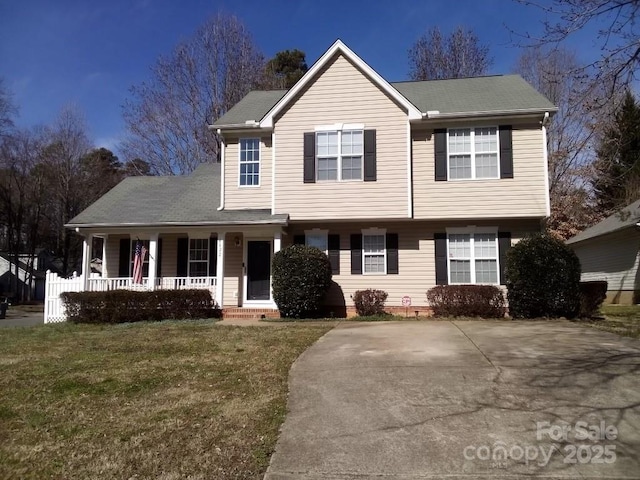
(279, 221)
(575, 240)
(489, 113)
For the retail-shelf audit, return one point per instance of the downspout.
(545, 156)
(223, 147)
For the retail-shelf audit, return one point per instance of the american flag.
(138, 261)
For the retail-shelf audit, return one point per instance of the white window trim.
(317, 232)
(189, 261)
(473, 154)
(259, 162)
(472, 230)
(339, 128)
(375, 231)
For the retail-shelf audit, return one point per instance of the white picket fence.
(55, 285)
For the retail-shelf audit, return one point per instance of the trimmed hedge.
(370, 302)
(301, 280)
(120, 306)
(592, 294)
(486, 301)
(543, 278)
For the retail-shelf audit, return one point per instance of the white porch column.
(153, 255)
(86, 260)
(277, 241)
(105, 270)
(220, 269)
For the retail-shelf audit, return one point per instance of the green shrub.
(119, 306)
(301, 279)
(370, 302)
(543, 278)
(592, 294)
(486, 301)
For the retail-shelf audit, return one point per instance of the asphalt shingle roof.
(175, 200)
(253, 106)
(477, 94)
(625, 218)
(497, 93)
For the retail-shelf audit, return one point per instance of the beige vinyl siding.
(342, 94)
(113, 255)
(232, 270)
(237, 197)
(613, 258)
(521, 196)
(416, 257)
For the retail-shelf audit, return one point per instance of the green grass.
(620, 319)
(151, 400)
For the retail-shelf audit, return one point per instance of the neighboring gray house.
(609, 251)
(30, 280)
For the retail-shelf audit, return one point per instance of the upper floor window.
(339, 155)
(198, 257)
(473, 258)
(249, 162)
(473, 153)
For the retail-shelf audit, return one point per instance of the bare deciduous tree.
(435, 57)
(67, 144)
(7, 109)
(570, 135)
(201, 80)
(618, 34)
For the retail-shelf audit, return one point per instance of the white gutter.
(223, 145)
(435, 114)
(247, 124)
(273, 173)
(409, 173)
(179, 224)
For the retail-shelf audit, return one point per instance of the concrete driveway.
(463, 399)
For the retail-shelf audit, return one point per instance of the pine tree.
(617, 180)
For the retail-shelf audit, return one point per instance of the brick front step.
(239, 313)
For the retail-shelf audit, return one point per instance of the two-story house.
(404, 186)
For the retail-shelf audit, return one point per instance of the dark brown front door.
(258, 269)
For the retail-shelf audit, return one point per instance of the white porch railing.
(55, 285)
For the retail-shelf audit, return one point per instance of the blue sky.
(59, 52)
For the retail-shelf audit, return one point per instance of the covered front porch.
(233, 263)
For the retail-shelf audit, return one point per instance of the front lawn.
(620, 319)
(153, 400)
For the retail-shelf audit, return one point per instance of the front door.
(258, 270)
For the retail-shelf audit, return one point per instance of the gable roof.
(627, 217)
(456, 97)
(168, 200)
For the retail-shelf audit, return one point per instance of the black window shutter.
(125, 257)
(369, 155)
(213, 256)
(440, 143)
(356, 254)
(334, 253)
(298, 240)
(442, 276)
(504, 244)
(182, 260)
(392, 253)
(506, 152)
(309, 157)
(159, 259)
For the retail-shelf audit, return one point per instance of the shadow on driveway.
(464, 399)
